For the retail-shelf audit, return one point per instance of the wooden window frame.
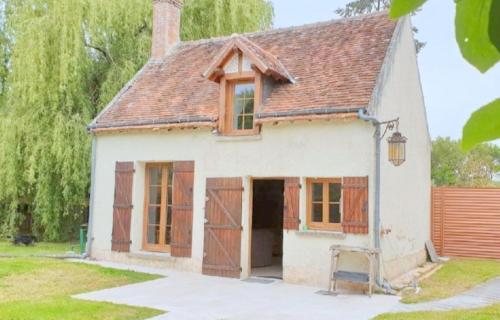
(326, 226)
(227, 83)
(161, 247)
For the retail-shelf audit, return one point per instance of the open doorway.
(267, 228)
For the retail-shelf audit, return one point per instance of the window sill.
(321, 233)
(221, 138)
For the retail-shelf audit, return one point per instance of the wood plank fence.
(465, 222)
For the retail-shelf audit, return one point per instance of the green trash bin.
(83, 237)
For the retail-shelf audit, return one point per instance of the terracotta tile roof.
(334, 64)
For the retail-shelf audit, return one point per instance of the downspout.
(376, 220)
(88, 247)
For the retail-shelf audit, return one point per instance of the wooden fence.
(465, 222)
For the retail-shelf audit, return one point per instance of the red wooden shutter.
(222, 245)
(122, 207)
(291, 219)
(355, 205)
(182, 209)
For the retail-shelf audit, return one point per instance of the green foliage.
(477, 30)
(472, 33)
(208, 18)
(494, 31)
(359, 7)
(483, 125)
(400, 8)
(63, 62)
(451, 166)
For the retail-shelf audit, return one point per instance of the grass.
(456, 276)
(487, 313)
(40, 289)
(37, 249)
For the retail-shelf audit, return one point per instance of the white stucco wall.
(302, 149)
(405, 190)
(299, 149)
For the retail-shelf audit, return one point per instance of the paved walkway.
(189, 296)
(483, 295)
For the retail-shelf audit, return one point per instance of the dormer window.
(241, 68)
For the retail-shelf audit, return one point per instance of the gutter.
(139, 123)
(307, 112)
(376, 225)
(88, 248)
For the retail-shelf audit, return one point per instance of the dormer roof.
(261, 60)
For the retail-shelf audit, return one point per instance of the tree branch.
(105, 53)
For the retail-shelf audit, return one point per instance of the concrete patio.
(189, 296)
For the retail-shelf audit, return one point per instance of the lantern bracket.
(389, 126)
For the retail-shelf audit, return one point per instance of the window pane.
(248, 123)
(168, 234)
(170, 175)
(169, 195)
(239, 105)
(154, 215)
(154, 176)
(317, 191)
(317, 212)
(169, 215)
(249, 106)
(154, 234)
(334, 213)
(244, 90)
(243, 104)
(334, 192)
(238, 123)
(155, 195)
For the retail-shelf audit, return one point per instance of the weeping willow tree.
(208, 18)
(66, 60)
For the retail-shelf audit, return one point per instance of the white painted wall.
(302, 149)
(405, 190)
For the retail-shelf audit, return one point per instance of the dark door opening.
(267, 228)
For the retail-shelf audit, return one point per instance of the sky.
(453, 89)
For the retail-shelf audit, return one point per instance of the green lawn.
(37, 249)
(456, 276)
(40, 289)
(488, 313)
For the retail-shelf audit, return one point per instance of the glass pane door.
(158, 208)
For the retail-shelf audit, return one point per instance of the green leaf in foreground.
(400, 8)
(495, 23)
(483, 125)
(472, 23)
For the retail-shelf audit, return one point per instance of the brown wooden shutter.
(355, 205)
(291, 219)
(182, 209)
(122, 207)
(222, 242)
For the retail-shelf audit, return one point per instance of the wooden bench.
(367, 278)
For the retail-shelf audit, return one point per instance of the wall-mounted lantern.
(397, 148)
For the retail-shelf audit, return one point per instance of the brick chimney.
(166, 26)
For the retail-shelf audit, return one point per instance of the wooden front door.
(222, 245)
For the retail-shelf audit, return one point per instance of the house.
(251, 154)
